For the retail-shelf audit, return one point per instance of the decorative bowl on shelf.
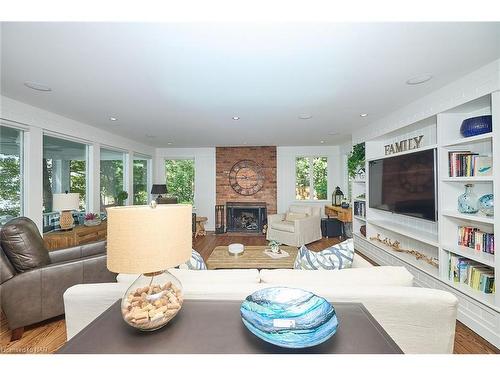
(362, 230)
(92, 223)
(236, 248)
(289, 317)
(476, 126)
(486, 204)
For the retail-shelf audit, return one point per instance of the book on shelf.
(476, 239)
(469, 164)
(359, 208)
(477, 276)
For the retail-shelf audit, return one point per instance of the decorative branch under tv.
(395, 245)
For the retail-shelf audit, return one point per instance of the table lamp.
(65, 203)
(136, 246)
(159, 189)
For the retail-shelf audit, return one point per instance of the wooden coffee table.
(215, 327)
(252, 257)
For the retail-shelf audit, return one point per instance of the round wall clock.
(246, 177)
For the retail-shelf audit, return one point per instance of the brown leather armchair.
(33, 280)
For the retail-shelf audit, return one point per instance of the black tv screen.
(405, 184)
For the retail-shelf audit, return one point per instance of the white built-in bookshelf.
(439, 240)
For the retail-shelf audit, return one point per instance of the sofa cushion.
(285, 226)
(291, 216)
(23, 245)
(301, 209)
(196, 262)
(335, 257)
(369, 276)
(236, 276)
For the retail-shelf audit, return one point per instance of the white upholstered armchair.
(299, 226)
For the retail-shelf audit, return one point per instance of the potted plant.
(91, 219)
(356, 161)
(121, 197)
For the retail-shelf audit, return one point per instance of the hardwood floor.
(48, 336)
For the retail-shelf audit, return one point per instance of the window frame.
(126, 172)
(311, 178)
(24, 135)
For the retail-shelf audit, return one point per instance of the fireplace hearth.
(246, 217)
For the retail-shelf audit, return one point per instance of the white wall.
(204, 177)
(35, 122)
(286, 172)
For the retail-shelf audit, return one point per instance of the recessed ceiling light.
(236, 118)
(169, 143)
(363, 114)
(37, 86)
(419, 79)
(113, 119)
(321, 141)
(305, 116)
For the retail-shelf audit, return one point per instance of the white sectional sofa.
(419, 320)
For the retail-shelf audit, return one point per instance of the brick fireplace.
(227, 157)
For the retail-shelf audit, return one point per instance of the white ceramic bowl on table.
(236, 248)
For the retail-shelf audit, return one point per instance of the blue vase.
(486, 204)
(467, 202)
(476, 125)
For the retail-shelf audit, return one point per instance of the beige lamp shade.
(65, 201)
(142, 239)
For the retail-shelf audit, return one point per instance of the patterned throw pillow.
(195, 263)
(336, 257)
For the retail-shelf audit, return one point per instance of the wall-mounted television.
(405, 184)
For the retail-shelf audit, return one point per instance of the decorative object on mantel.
(468, 202)
(344, 204)
(156, 296)
(362, 230)
(486, 204)
(337, 197)
(476, 126)
(289, 317)
(395, 245)
(356, 161)
(236, 248)
(92, 219)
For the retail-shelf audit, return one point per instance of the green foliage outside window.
(304, 185)
(10, 188)
(180, 179)
(111, 180)
(140, 181)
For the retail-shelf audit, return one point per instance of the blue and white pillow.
(335, 257)
(196, 262)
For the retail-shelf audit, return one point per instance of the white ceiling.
(184, 82)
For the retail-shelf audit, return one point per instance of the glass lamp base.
(152, 301)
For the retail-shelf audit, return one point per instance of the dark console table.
(215, 327)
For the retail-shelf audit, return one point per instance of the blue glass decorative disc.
(289, 317)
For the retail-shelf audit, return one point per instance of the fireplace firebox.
(246, 217)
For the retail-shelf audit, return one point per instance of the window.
(180, 179)
(113, 177)
(311, 178)
(141, 179)
(64, 167)
(11, 170)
